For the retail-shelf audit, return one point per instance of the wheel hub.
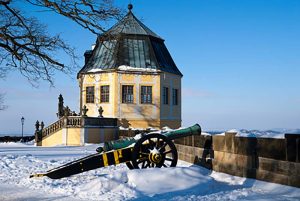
(155, 156)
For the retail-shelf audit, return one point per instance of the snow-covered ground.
(185, 182)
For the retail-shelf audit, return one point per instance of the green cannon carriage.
(145, 151)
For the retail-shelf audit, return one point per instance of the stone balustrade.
(74, 122)
(53, 127)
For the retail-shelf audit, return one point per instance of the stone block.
(179, 141)
(203, 141)
(271, 148)
(274, 166)
(294, 168)
(178, 147)
(245, 145)
(294, 180)
(271, 177)
(218, 142)
(228, 169)
(187, 149)
(293, 147)
(243, 161)
(189, 141)
(186, 157)
(185, 141)
(198, 151)
(180, 156)
(229, 142)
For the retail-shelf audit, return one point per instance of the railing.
(53, 127)
(75, 122)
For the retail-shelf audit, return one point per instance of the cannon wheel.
(154, 150)
(129, 165)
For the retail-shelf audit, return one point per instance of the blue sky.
(240, 61)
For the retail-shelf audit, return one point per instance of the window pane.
(146, 94)
(127, 94)
(165, 95)
(175, 96)
(104, 94)
(89, 95)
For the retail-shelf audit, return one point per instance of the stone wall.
(267, 159)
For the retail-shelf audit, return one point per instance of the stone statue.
(60, 106)
(42, 125)
(67, 111)
(37, 125)
(100, 110)
(84, 111)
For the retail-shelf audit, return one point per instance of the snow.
(126, 68)
(95, 70)
(131, 68)
(259, 133)
(184, 182)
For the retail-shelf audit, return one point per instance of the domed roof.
(129, 46)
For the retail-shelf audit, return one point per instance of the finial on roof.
(130, 6)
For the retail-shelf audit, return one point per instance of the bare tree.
(26, 46)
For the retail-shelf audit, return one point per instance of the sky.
(240, 61)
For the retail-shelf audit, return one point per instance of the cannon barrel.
(189, 131)
(122, 143)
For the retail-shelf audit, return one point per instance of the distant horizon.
(281, 130)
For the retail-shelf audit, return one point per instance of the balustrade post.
(65, 122)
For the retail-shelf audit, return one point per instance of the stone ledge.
(271, 177)
(233, 170)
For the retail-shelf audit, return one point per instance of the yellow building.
(132, 76)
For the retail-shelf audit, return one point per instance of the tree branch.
(25, 44)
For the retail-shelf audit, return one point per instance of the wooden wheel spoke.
(144, 154)
(141, 160)
(169, 159)
(151, 143)
(148, 164)
(157, 142)
(143, 164)
(163, 146)
(167, 152)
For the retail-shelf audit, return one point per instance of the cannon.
(153, 150)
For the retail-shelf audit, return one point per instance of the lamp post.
(22, 121)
